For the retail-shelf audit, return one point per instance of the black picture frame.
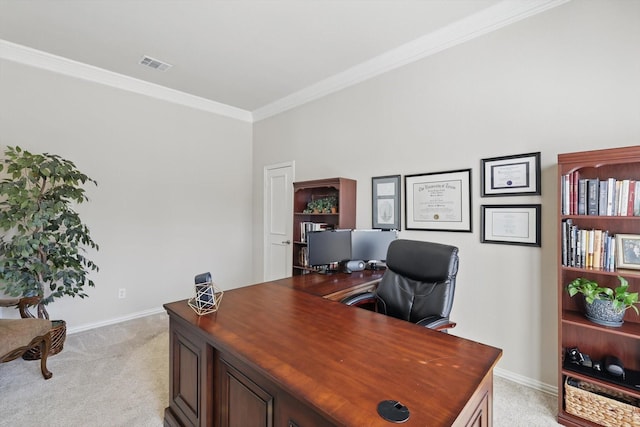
(511, 224)
(385, 202)
(438, 201)
(515, 175)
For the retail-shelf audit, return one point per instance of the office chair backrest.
(419, 281)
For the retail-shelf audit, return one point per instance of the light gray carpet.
(118, 376)
(111, 376)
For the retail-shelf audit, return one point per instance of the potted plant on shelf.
(42, 249)
(603, 305)
(326, 205)
(333, 204)
(312, 207)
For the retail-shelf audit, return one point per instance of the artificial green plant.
(44, 242)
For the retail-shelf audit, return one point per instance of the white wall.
(565, 80)
(174, 192)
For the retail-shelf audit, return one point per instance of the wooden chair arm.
(26, 302)
(9, 302)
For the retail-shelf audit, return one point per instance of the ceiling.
(250, 55)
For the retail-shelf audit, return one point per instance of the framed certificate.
(438, 201)
(515, 175)
(385, 211)
(510, 224)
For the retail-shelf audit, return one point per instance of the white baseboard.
(115, 320)
(526, 381)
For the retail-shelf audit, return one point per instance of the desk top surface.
(326, 285)
(344, 360)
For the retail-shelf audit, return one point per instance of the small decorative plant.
(620, 297)
(332, 202)
(322, 205)
(42, 249)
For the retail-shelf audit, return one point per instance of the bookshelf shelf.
(626, 273)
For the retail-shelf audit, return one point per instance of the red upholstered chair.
(17, 336)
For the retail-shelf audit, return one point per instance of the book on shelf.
(304, 257)
(582, 197)
(595, 196)
(593, 192)
(597, 249)
(602, 198)
(574, 193)
(308, 226)
(563, 242)
(565, 195)
(632, 195)
(611, 244)
(586, 248)
(611, 195)
(623, 201)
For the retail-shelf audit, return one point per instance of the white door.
(278, 221)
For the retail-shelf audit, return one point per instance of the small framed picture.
(385, 196)
(628, 251)
(516, 175)
(510, 224)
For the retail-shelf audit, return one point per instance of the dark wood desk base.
(275, 356)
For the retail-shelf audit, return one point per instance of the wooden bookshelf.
(574, 330)
(343, 189)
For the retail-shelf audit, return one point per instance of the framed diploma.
(516, 175)
(385, 210)
(510, 224)
(439, 201)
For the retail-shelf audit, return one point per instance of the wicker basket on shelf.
(598, 404)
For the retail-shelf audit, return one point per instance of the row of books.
(585, 248)
(304, 257)
(594, 196)
(307, 226)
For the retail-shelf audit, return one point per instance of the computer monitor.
(371, 245)
(328, 247)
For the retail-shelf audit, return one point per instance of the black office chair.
(418, 285)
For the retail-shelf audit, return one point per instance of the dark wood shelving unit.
(343, 189)
(574, 329)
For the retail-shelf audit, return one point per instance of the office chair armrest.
(359, 299)
(437, 323)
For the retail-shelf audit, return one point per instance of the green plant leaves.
(621, 298)
(44, 239)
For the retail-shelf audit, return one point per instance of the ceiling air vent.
(147, 61)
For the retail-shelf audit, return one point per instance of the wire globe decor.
(208, 295)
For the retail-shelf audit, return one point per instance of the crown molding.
(57, 64)
(491, 19)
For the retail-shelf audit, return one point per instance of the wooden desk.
(335, 286)
(274, 356)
